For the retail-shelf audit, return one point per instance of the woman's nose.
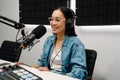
(53, 22)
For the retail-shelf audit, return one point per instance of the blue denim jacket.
(72, 55)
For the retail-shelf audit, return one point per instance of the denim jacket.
(72, 55)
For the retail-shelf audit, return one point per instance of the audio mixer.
(16, 72)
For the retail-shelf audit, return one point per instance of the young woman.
(63, 52)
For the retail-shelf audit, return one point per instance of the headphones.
(70, 21)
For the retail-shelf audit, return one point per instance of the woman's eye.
(57, 20)
(51, 19)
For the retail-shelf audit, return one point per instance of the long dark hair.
(68, 13)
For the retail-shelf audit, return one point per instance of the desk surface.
(44, 74)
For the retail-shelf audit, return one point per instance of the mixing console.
(15, 72)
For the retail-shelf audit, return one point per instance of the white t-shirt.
(55, 61)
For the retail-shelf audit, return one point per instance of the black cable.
(55, 57)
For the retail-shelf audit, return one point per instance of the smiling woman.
(57, 22)
(63, 52)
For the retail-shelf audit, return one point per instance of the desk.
(43, 74)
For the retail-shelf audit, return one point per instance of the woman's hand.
(43, 69)
(40, 68)
(35, 66)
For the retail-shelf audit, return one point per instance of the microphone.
(35, 34)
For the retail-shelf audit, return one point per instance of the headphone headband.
(70, 21)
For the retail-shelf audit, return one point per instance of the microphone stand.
(11, 23)
(15, 25)
(18, 26)
(32, 44)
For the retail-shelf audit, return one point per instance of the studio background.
(104, 39)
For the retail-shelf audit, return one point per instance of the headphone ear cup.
(70, 23)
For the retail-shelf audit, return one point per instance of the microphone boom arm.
(15, 25)
(6, 23)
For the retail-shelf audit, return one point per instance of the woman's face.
(58, 22)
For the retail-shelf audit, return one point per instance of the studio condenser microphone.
(37, 33)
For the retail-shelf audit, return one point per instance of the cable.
(55, 57)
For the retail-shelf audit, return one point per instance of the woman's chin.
(55, 33)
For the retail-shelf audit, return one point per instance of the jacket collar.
(65, 41)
